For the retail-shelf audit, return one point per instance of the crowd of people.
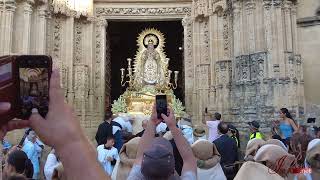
(164, 149)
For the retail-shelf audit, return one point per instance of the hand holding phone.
(169, 119)
(24, 83)
(161, 105)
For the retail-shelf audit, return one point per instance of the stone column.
(288, 26)
(295, 46)
(259, 21)
(196, 60)
(23, 27)
(250, 6)
(236, 36)
(67, 55)
(268, 38)
(213, 21)
(220, 47)
(188, 63)
(87, 44)
(237, 29)
(101, 26)
(6, 26)
(278, 20)
(39, 31)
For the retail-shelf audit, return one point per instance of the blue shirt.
(286, 130)
(30, 149)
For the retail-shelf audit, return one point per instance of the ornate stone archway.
(146, 13)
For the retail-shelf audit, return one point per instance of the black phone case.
(10, 89)
(161, 105)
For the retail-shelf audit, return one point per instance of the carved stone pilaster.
(68, 55)
(81, 93)
(22, 28)
(100, 57)
(78, 35)
(227, 30)
(250, 32)
(7, 11)
(237, 28)
(39, 30)
(188, 57)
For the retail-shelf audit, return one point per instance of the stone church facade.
(243, 58)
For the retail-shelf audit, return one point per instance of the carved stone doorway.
(122, 36)
(107, 13)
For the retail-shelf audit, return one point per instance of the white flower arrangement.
(119, 106)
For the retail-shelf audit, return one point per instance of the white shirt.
(103, 154)
(213, 130)
(125, 123)
(50, 165)
(161, 128)
(37, 146)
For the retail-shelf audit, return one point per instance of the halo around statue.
(151, 38)
(151, 34)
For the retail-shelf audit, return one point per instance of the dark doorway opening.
(123, 36)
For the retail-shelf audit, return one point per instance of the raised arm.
(62, 131)
(189, 161)
(147, 136)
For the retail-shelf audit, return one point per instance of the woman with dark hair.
(235, 134)
(287, 125)
(17, 162)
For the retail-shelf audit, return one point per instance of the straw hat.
(272, 155)
(252, 147)
(199, 131)
(277, 142)
(132, 147)
(204, 149)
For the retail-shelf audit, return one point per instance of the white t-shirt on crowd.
(103, 154)
(161, 128)
(125, 123)
(213, 130)
(50, 165)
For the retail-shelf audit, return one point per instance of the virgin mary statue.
(151, 64)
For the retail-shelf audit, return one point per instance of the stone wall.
(255, 67)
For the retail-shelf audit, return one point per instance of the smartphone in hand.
(24, 82)
(161, 105)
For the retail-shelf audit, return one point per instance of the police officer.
(254, 129)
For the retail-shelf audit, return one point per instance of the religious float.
(146, 76)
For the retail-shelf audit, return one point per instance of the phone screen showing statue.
(34, 90)
(161, 105)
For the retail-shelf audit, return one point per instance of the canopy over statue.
(148, 77)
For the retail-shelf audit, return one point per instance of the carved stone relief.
(140, 11)
(78, 42)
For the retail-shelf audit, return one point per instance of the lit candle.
(169, 74)
(122, 71)
(129, 62)
(176, 73)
